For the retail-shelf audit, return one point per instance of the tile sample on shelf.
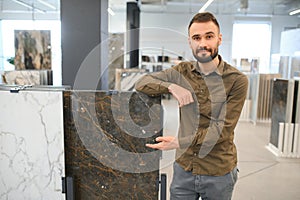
(125, 78)
(105, 136)
(279, 108)
(31, 142)
(27, 77)
(285, 119)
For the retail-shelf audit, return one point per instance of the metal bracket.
(18, 88)
(68, 187)
(162, 186)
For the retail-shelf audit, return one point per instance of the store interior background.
(163, 29)
(260, 38)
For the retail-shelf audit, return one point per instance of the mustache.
(203, 48)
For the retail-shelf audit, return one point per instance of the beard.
(203, 58)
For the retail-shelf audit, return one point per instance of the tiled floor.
(262, 176)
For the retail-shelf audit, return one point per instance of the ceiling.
(28, 6)
(230, 7)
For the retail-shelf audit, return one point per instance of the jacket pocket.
(218, 106)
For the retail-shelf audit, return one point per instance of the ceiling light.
(28, 6)
(47, 4)
(23, 4)
(294, 12)
(110, 11)
(205, 5)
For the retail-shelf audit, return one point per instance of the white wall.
(279, 23)
(288, 39)
(168, 31)
(1, 49)
(165, 32)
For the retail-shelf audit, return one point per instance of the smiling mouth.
(203, 51)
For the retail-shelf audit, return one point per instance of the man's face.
(204, 40)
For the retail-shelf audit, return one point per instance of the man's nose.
(202, 43)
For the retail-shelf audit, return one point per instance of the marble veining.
(27, 77)
(31, 142)
(105, 137)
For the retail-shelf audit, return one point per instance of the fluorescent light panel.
(28, 6)
(295, 12)
(25, 11)
(205, 5)
(47, 4)
(23, 4)
(110, 11)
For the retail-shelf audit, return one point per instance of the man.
(210, 94)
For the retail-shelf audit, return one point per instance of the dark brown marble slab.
(105, 135)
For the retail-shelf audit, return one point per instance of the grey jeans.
(186, 186)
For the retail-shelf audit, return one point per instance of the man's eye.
(209, 37)
(196, 38)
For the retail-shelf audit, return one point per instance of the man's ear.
(189, 40)
(220, 38)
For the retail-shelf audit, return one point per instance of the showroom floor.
(263, 176)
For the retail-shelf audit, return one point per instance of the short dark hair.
(204, 17)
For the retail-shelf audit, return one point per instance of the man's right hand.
(165, 143)
(182, 95)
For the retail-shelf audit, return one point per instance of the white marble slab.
(31, 145)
